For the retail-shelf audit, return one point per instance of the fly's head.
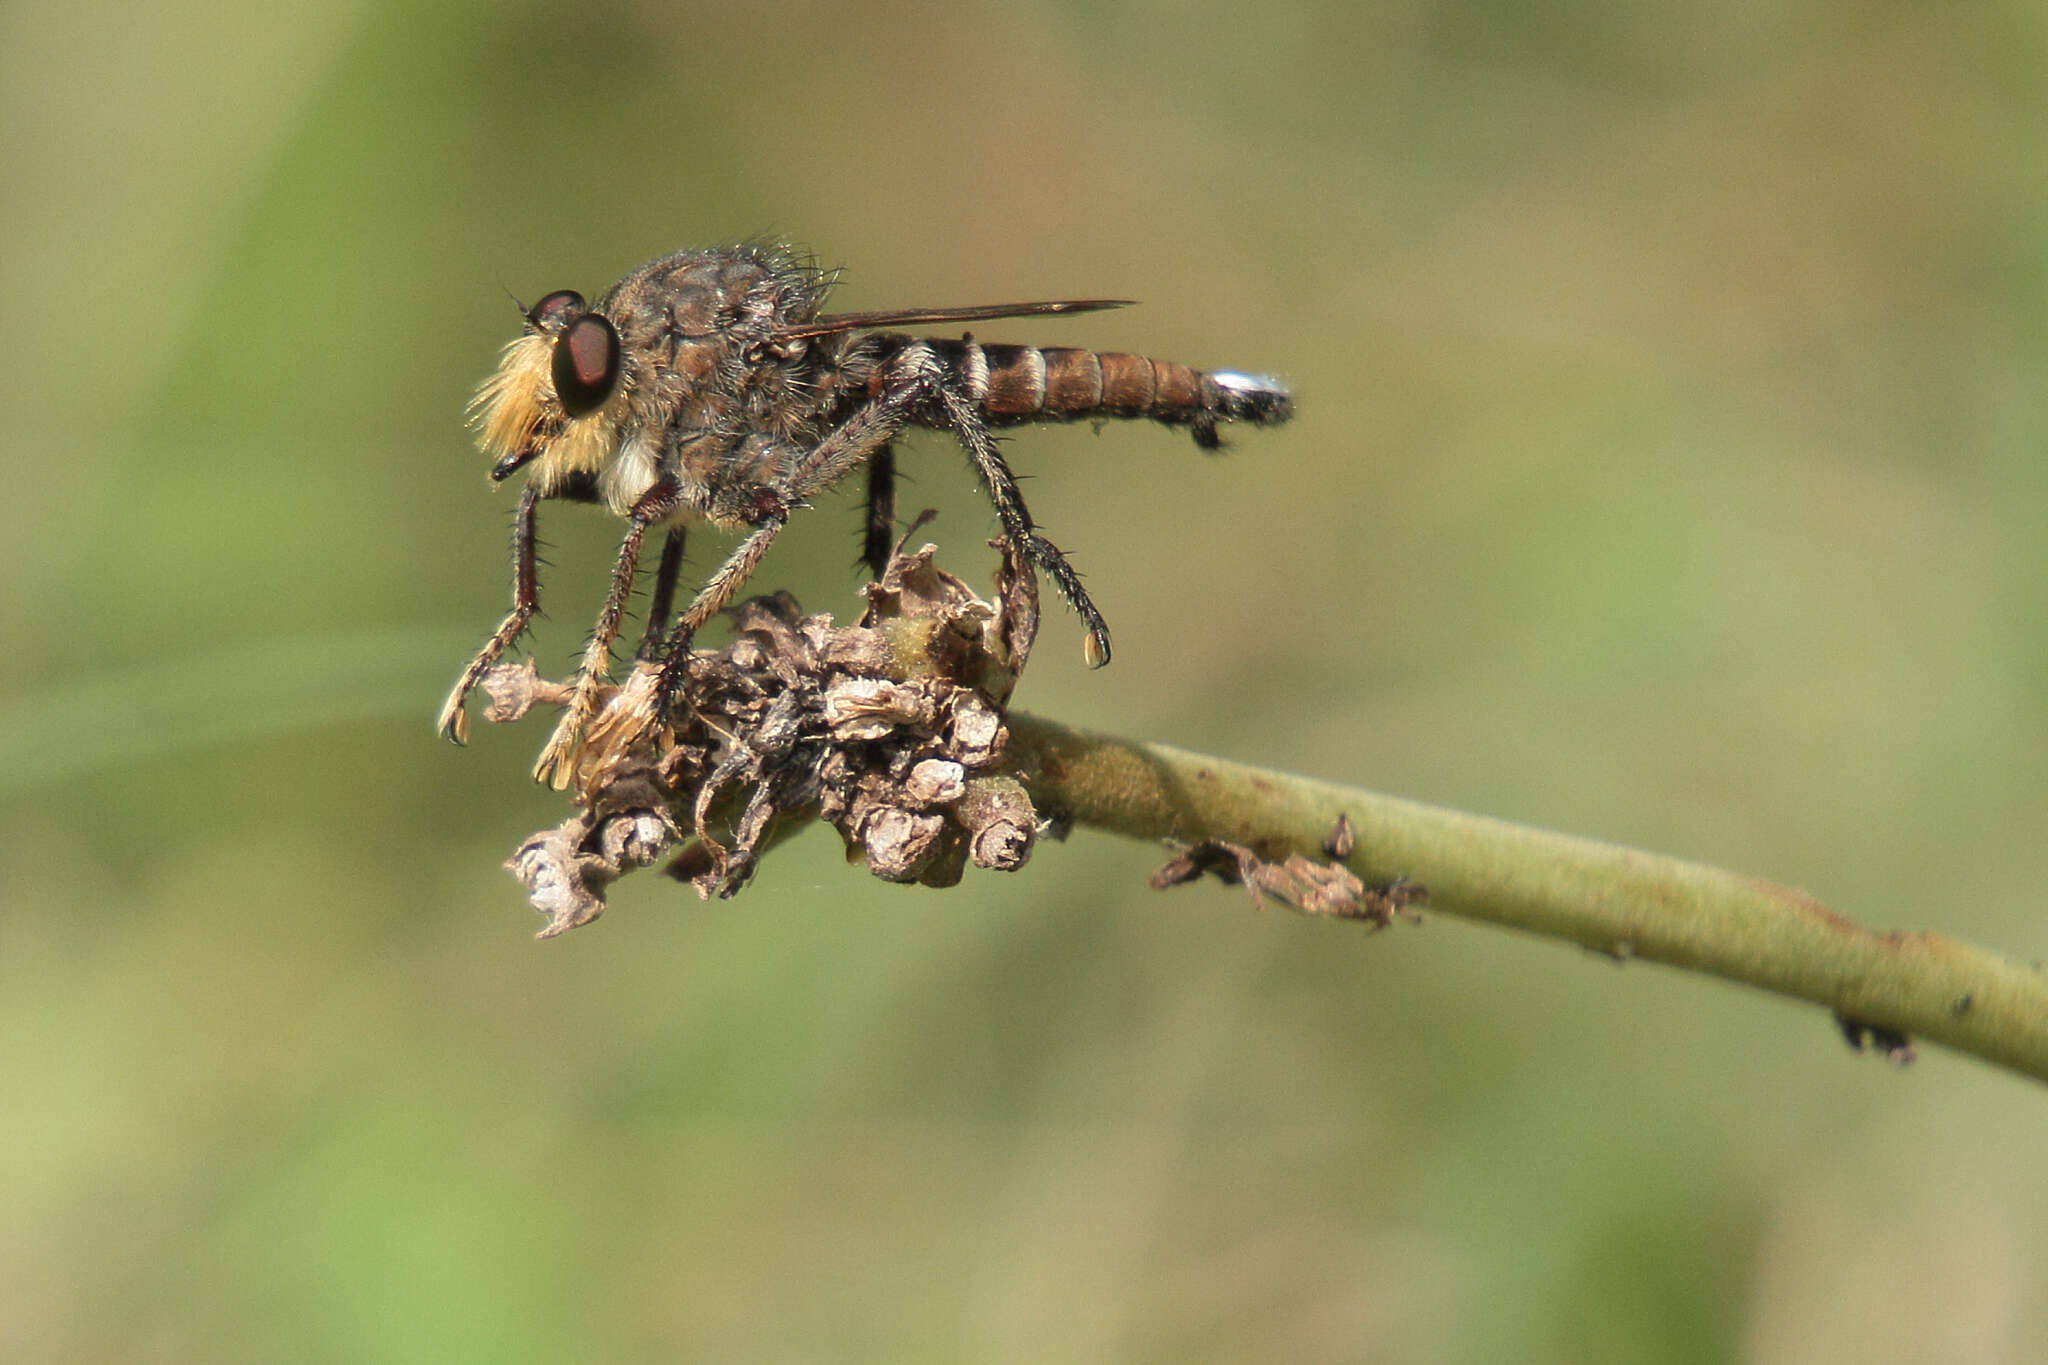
(555, 401)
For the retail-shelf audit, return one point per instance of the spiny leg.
(879, 536)
(870, 429)
(454, 720)
(710, 600)
(964, 416)
(553, 767)
(662, 599)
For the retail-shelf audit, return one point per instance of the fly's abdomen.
(1063, 384)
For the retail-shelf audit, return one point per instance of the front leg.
(554, 765)
(454, 720)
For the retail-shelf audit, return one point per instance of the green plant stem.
(1613, 900)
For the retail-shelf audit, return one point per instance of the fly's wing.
(833, 323)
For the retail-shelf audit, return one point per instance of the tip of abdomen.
(1256, 398)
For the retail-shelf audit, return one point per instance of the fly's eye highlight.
(586, 362)
(550, 312)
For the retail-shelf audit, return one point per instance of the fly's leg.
(711, 599)
(454, 720)
(553, 767)
(663, 597)
(963, 414)
(860, 437)
(869, 431)
(879, 536)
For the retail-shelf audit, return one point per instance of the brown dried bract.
(890, 729)
(1300, 883)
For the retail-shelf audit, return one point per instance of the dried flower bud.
(935, 782)
(899, 843)
(1001, 823)
(890, 729)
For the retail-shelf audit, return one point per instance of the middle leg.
(553, 767)
(860, 437)
(879, 536)
(662, 599)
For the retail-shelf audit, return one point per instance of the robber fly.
(708, 386)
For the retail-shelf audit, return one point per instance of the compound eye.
(550, 311)
(586, 363)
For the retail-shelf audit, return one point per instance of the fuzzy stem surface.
(1614, 900)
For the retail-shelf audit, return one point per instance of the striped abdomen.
(1063, 384)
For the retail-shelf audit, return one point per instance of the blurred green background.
(1670, 469)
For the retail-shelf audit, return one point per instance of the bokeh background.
(1670, 469)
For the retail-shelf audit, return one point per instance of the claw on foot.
(453, 723)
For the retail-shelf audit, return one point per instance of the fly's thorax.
(699, 311)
